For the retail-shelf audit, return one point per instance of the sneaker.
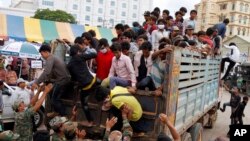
(52, 114)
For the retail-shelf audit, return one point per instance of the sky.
(171, 5)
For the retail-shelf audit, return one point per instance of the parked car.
(8, 114)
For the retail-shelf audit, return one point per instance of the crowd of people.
(135, 60)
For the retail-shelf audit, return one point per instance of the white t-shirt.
(235, 56)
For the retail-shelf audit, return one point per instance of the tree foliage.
(58, 15)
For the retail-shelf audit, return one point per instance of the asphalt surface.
(222, 124)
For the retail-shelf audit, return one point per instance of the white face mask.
(161, 26)
(104, 50)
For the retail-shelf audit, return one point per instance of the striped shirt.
(157, 72)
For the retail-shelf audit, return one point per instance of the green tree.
(58, 15)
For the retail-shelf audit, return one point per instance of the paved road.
(222, 124)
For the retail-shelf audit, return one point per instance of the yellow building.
(211, 12)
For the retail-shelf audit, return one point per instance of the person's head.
(92, 32)
(183, 44)
(226, 21)
(114, 40)
(21, 83)
(146, 15)
(232, 44)
(210, 32)
(74, 50)
(163, 137)
(103, 45)
(156, 14)
(41, 135)
(215, 31)
(127, 36)
(190, 30)
(235, 90)
(125, 48)
(19, 106)
(178, 16)
(245, 99)
(79, 41)
(152, 19)
(165, 14)
(87, 39)
(115, 136)
(200, 35)
(141, 39)
(69, 130)
(119, 28)
(175, 31)
(126, 27)
(162, 56)
(157, 9)
(161, 24)
(57, 123)
(166, 40)
(183, 11)
(45, 50)
(116, 48)
(146, 47)
(136, 24)
(9, 67)
(170, 21)
(193, 14)
(8, 136)
(102, 95)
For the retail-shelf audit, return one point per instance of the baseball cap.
(8, 136)
(16, 104)
(57, 121)
(146, 13)
(176, 28)
(69, 128)
(115, 136)
(190, 27)
(20, 80)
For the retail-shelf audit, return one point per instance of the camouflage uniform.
(56, 137)
(23, 124)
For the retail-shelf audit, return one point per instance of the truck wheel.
(186, 137)
(38, 117)
(196, 132)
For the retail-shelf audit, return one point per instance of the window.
(244, 32)
(123, 14)
(245, 20)
(240, 18)
(100, 1)
(233, 6)
(134, 7)
(246, 8)
(123, 21)
(223, 6)
(241, 6)
(124, 5)
(47, 3)
(232, 18)
(231, 31)
(88, 0)
(88, 8)
(112, 12)
(134, 15)
(75, 6)
(87, 18)
(238, 31)
(112, 3)
(99, 19)
(111, 21)
(100, 10)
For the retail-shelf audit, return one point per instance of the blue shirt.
(221, 27)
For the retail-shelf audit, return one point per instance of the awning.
(29, 29)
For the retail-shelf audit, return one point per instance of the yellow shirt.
(118, 101)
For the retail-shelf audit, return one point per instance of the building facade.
(105, 13)
(211, 12)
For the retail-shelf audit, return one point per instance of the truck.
(190, 98)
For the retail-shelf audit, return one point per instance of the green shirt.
(24, 125)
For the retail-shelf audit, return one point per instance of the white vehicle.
(8, 114)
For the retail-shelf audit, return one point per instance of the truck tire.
(38, 117)
(196, 132)
(186, 137)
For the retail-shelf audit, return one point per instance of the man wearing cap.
(23, 116)
(57, 125)
(8, 136)
(22, 92)
(174, 33)
(189, 33)
(72, 133)
(178, 22)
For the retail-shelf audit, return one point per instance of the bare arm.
(35, 98)
(112, 69)
(40, 101)
(164, 50)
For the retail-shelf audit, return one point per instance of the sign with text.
(239, 132)
(36, 64)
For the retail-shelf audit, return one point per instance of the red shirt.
(150, 28)
(209, 41)
(103, 62)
